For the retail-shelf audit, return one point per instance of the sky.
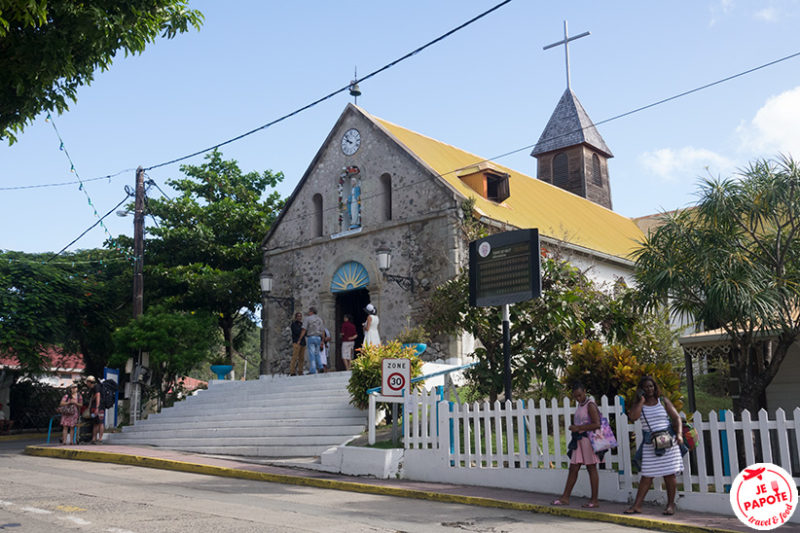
(489, 89)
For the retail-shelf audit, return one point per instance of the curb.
(23, 436)
(351, 486)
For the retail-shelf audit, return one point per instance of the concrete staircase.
(275, 416)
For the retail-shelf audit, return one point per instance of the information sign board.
(395, 377)
(505, 268)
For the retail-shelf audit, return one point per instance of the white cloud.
(685, 164)
(768, 14)
(774, 128)
(721, 8)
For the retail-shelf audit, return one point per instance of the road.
(40, 494)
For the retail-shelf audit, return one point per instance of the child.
(586, 418)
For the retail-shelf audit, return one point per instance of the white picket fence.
(526, 436)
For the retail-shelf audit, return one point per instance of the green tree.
(72, 302)
(176, 342)
(733, 262)
(205, 253)
(542, 329)
(50, 48)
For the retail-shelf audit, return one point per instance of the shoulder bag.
(661, 439)
(603, 438)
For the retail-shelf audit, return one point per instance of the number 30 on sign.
(395, 377)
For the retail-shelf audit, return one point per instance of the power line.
(87, 230)
(334, 93)
(63, 183)
(568, 133)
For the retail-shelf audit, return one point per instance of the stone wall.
(422, 235)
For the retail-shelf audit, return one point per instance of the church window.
(597, 176)
(560, 170)
(317, 200)
(386, 189)
(497, 188)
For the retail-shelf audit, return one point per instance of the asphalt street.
(41, 494)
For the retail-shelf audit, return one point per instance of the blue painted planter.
(419, 347)
(221, 370)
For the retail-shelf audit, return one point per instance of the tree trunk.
(226, 324)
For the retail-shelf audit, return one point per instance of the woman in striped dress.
(658, 414)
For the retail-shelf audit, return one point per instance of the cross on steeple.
(565, 42)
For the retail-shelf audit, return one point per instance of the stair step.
(201, 422)
(275, 416)
(244, 431)
(294, 440)
(255, 451)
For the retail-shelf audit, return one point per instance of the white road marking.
(117, 530)
(76, 520)
(36, 510)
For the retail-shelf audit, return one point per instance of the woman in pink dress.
(72, 402)
(586, 418)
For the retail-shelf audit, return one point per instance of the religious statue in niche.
(349, 188)
(354, 203)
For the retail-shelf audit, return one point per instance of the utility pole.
(138, 288)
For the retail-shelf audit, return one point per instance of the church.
(377, 218)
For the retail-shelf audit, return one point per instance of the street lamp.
(287, 303)
(385, 262)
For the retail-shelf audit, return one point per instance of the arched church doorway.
(349, 284)
(350, 303)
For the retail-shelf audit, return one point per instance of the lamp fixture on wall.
(385, 262)
(266, 287)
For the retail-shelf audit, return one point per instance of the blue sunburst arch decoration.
(349, 277)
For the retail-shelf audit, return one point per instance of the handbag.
(64, 410)
(603, 438)
(690, 436)
(661, 439)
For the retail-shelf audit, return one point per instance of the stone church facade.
(319, 260)
(376, 188)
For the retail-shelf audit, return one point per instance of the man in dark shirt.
(298, 346)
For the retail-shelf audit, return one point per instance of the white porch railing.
(526, 436)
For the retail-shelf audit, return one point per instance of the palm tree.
(733, 262)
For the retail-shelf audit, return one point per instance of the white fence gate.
(522, 445)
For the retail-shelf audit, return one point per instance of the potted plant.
(221, 366)
(416, 336)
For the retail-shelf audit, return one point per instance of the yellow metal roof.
(533, 203)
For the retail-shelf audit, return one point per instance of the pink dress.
(584, 454)
(71, 420)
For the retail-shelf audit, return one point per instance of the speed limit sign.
(396, 376)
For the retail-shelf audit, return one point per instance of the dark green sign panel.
(505, 268)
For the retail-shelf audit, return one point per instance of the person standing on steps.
(349, 336)
(324, 348)
(298, 346)
(313, 331)
(371, 335)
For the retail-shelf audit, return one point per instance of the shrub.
(414, 335)
(614, 370)
(367, 367)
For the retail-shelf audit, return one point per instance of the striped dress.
(669, 463)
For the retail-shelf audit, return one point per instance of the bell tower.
(571, 153)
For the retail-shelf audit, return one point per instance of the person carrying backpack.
(98, 414)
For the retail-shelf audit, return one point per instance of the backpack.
(108, 394)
